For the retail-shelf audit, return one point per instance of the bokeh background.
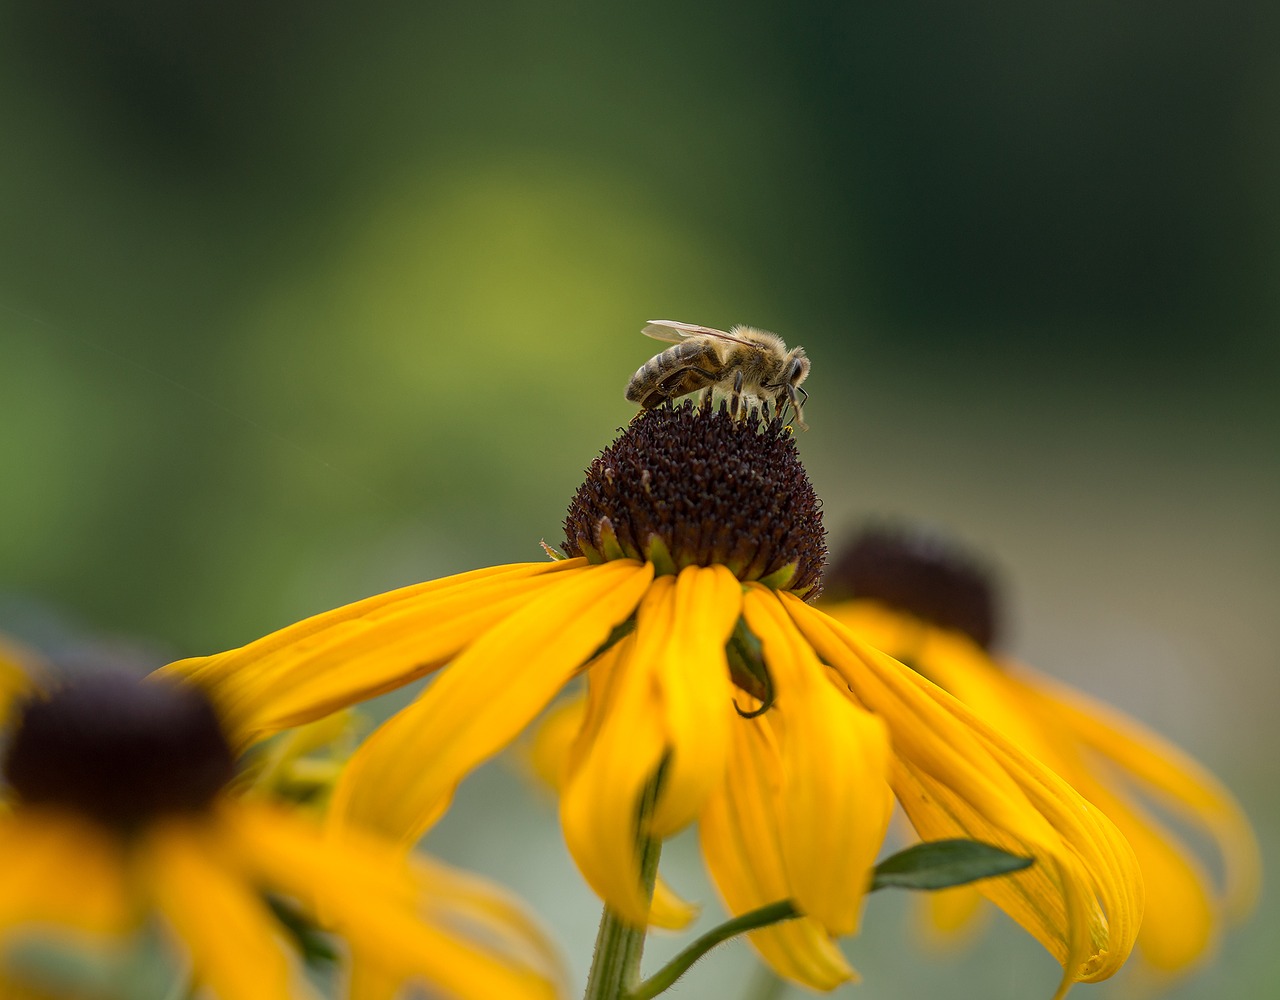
(301, 301)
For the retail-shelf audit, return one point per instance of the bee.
(744, 361)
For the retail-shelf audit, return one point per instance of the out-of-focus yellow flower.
(934, 607)
(696, 539)
(121, 810)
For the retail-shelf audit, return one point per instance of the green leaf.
(940, 864)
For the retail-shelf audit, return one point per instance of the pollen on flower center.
(119, 749)
(689, 486)
(922, 574)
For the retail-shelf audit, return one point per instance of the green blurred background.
(300, 302)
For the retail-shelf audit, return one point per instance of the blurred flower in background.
(926, 601)
(121, 814)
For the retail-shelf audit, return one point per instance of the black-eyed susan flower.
(122, 818)
(924, 600)
(695, 542)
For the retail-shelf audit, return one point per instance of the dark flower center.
(119, 749)
(689, 486)
(922, 574)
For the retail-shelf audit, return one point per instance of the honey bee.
(743, 361)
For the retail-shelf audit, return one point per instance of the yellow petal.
(1182, 915)
(547, 753)
(955, 663)
(1180, 781)
(1180, 919)
(951, 917)
(332, 660)
(369, 895)
(216, 916)
(367, 982)
(742, 847)
(681, 634)
(1180, 924)
(958, 777)
(667, 909)
(604, 787)
(63, 873)
(402, 778)
(835, 796)
(476, 907)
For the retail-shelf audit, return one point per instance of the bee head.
(797, 367)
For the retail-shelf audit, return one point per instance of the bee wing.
(673, 332)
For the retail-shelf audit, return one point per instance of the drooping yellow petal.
(547, 752)
(682, 631)
(367, 982)
(62, 873)
(402, 778)
(1181, 916)
(1174, 776)
(599, 805)
(477, 908)
(332, 660)
(835, 795)
(950, 917)
(603, 679)
(955, 663)
(215, 915)
(1181, 921)
(958, 777)
(370, 895)
(742, 847)
(1048, 900)
(558, 747)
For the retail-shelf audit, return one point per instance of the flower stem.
(665, 977)
(615, 967)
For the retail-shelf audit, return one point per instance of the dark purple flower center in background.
(119, 749)
(705, 489)
(922, 574)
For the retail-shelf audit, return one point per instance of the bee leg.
(670, 386)
(797, 405)
(735, 400)
(704, 400)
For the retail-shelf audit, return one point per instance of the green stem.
(665, 977)
(615, 967)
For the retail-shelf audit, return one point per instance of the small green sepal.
(554, 554)
(780, 579)
(609, 544)
(658, 554)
